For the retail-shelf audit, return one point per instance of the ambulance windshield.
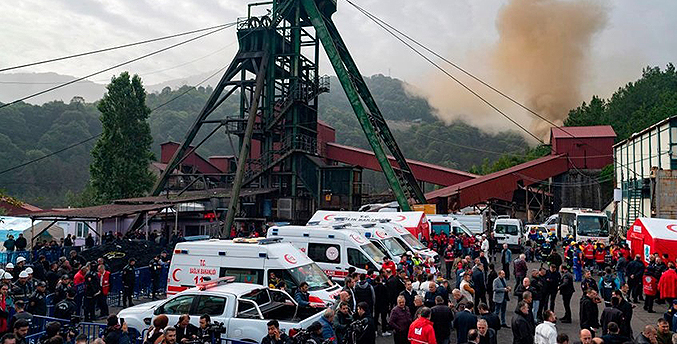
(312, 274)
(413, 242)
(374, 253)
(393, 246)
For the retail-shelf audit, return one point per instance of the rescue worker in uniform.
(128, 281)
(155, 267)
(66, 308)
(37, 304)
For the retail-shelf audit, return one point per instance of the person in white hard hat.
(21, 290)
(20, 265)
(32, 282)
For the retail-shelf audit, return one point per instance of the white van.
(448, 224)
(509, 231)
(407, 240)
(333, 249)
(250, 261)
(382, 239)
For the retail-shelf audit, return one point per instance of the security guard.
(66, 308)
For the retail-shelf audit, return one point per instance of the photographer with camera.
(116, 331)
(54, 334)
(274, 335)
(185, 331)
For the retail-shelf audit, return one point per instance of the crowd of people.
(421, 304)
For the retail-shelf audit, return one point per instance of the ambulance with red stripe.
(259, 261)
(415, 222)
(334, 248)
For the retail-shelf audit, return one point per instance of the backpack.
(608, 287)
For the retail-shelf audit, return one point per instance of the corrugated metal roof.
(582, 132)
(450, 190)
(98, 212)
(194, 195)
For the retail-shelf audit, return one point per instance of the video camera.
(212, 333)
(70, 330)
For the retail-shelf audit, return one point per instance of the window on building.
(81, 230)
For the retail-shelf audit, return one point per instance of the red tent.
(649, 235)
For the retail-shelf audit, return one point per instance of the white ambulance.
(382, 239)
(334, 249)
(407, 240)
(250, 261)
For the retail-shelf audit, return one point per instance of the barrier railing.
(35, 337)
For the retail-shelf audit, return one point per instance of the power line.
(115, 66)
(373, 18)
(383, 24)
(97, 135)
(10, 82)
(114, 47)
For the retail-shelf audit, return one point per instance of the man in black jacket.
(552, 278)
(20, 243)
(589, 314)
(611, 314)
(441, 316)
(490, 317)
(626, 308)
(155, 267)
(463, 322)
(185, 331)
(479, 284)
(128, 281)
(614, 337)
(635, 271)
(368, 336)
(274, 335)
(566, 289)
(37, 304)
(66, 308)
(92, 291)
(523, 328)
(364, 292)
(409, 294)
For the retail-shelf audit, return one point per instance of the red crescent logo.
(357, 238)
(380, 234)
(328, 217)
(288, 257)
(400, 218)
(174, 275)
(672, 228)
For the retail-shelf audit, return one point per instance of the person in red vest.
(80, 275)
(650, 283)
(599, 257)
(104, 280)
(4, 310)
(388, 264)
(421, 330)
(589, 253)
(668, 284)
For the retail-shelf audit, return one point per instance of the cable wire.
(113, 48)
(115, 66)
(97, 135)
(436, 65)
(383, 24)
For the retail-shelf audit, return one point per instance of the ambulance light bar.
(211, 284)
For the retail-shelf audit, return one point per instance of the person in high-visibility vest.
(589, 253)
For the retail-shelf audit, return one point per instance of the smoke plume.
(541, 58)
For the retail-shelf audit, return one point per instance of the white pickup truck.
(243, 308)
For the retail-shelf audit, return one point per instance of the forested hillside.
(30, 132)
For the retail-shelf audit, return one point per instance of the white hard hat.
(29, 270)
(20, 259)
(9, 266)
(23, 274)
(7, 275)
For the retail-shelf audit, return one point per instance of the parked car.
(243, 308)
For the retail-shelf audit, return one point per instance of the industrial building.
(644, 170)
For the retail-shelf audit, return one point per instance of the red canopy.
(647, 236)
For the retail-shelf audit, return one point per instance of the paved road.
(639, 320)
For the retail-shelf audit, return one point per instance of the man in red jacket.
(421, 330)
(668, 284)
(104, 280)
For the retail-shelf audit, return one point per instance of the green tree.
(121, 156)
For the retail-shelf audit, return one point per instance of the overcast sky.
(636, 34)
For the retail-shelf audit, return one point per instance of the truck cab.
(509, 231)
